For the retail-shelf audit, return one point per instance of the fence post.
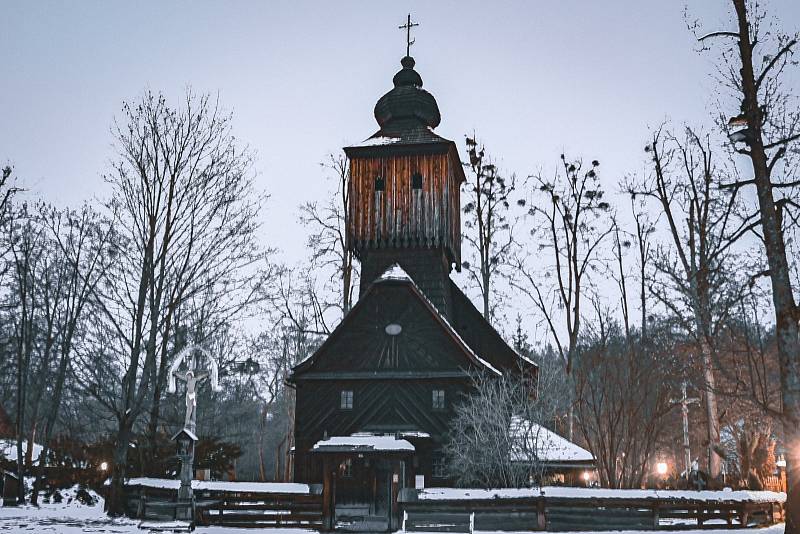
(744, 516)
(541, 520)
(327, 497)
(656, 515)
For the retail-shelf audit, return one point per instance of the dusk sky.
(533, 79)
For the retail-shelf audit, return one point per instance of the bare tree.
(185, 213)
(753, 62)
(27, 247)
(487, 229)
(623, 376)
(7, 191)
(693, 277)
(82, 240)
(574, 224)
(623, 394)
(498, 435)
(327, 240)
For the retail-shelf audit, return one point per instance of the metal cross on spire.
(407, 27)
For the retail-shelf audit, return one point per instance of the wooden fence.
(262, 510)
(776, 483)
(583, 514)
(230, 504)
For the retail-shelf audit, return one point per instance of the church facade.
(374, 402)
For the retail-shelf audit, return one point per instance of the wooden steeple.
(404, 192)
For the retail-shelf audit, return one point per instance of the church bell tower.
(404, 192)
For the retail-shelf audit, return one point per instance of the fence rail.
(584, 514)
(230, 504)
(263, 511)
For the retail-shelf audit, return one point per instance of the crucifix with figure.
(193, 375)
(407, 27)
(186, 368)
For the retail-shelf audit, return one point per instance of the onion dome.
(407, 102)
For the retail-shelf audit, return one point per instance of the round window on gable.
(416, 181)
(393, 329)
(380, 183)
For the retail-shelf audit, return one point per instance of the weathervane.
(407, 27)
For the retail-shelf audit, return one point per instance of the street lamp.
(741, 135)
(661, 468)
(104, 466)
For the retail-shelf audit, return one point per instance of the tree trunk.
(22, 375)
(155, 409)
(347, 275)
(486, 288)
(786, 327)
(115, 503)
(50, 422)
(712, 428)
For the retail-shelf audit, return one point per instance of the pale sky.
(532, 78)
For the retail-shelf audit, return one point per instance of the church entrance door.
(363, 493)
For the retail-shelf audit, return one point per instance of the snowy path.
(75, 518)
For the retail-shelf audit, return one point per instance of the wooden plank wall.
(400, 215)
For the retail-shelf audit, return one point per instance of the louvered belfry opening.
(404, 191)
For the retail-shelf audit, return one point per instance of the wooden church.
(373, 404)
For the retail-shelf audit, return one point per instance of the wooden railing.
(539, 513)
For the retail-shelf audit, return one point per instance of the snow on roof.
(211, 485)
(563, 492)
(414, 434)
(8, 449)
(395, 272)
(364, 442)
(525, 358)
(461, 340)
(546, 445)
(378, 141)
(188, 432)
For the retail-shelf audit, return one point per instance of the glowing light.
(104, 466)
(586, 476)
(661, 468)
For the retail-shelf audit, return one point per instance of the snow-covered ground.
(72, 517)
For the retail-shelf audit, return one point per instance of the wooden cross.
(685, 401)
(407, 27)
